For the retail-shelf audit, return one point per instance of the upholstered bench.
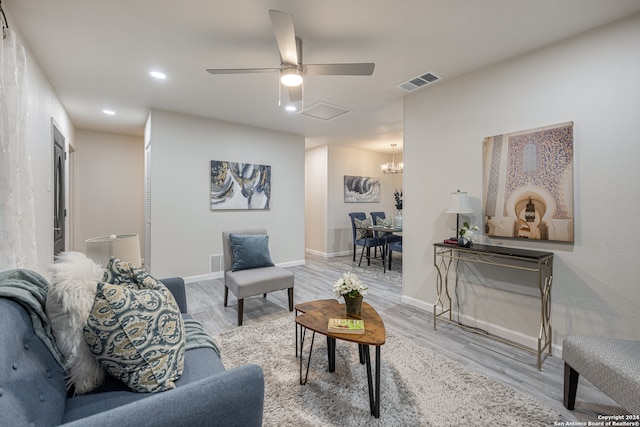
(612, 365)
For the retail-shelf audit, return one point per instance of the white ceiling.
(97, 54)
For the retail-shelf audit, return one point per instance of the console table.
(521, 259)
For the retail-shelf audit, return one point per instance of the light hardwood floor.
(499, 361)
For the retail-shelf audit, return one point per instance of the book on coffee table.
(346, 326)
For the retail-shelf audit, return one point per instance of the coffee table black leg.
(377, 405)
(361, 353)
(297, 335)
(306, 375)
(374, 395)
(331, 353)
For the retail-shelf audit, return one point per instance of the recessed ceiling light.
(109, 112)
(290, 108)
(158, 75)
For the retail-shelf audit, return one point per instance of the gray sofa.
(33, 388)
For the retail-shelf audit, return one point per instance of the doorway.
(59, 207)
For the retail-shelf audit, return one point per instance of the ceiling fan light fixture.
(291, 77)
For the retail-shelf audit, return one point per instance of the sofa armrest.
(231, 398)
(176, 286)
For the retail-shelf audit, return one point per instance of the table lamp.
(458, 204)
(125, 247)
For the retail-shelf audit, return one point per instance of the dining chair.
(379, 218)
(362, 237)
(394, 247)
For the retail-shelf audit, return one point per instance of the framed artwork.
(360, 189)
(240, 185)
(528, 184)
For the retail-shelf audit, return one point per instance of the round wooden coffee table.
(315, 316)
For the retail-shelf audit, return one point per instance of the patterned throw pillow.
(135, 329)
(385, 222)
(361, 232)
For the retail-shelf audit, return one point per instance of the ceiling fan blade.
(355, 69)
(241, 70)
(285, 36)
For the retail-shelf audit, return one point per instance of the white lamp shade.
(459, 203)
(125, 247)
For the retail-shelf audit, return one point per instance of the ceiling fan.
(292, 69)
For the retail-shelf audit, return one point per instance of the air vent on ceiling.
(324, 111)
(419, 81)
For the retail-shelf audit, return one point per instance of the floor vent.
(215, 263)
(419, 82)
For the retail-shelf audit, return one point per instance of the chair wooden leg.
(264, 296)
(368, 256)
(240, 311)
(290, 291)
(226, 295)
(570, 386)
(390, 252)
(354, 252)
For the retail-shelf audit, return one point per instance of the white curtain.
(17, 207)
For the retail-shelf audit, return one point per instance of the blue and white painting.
(360, 189)
(237, 185)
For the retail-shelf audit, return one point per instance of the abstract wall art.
(528, 184)
(360, 189)
(237, 185)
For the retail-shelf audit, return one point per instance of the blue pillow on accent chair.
(250, 251)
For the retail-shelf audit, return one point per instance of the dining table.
(383, 233)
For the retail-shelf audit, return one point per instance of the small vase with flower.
(465, 234)
(353, 290)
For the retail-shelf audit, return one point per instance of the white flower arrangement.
(350, 286)
(466, 231)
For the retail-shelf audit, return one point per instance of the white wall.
(184, 229)
(43, 107)
(110, 185)
(316, 190)
(329, 227)
(591, 80)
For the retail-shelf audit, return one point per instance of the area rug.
(374, 270)
(418, 386)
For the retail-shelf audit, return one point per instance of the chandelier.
(392, 167)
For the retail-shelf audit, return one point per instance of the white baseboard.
(203, 277)
(493, 329)
(327, 254)
(220, 274)
(425, 306)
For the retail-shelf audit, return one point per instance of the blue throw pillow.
(250, 251)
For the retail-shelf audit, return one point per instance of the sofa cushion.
(256, 281)
(135, 329)
(32, 383)
(199, 363)
(72, 290)
(250, 251)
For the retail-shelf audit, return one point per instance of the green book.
(346, 326)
